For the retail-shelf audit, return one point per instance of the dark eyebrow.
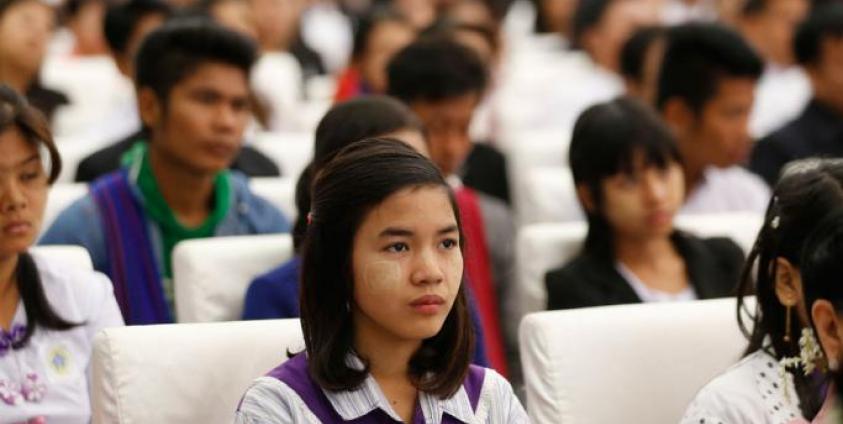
(449, 229)
(403, 232)
(32, 158)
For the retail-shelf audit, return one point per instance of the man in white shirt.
(784, 89)
(705, 94)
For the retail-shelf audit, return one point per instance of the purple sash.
(132, 265)
(294, 374)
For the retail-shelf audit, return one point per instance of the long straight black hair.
(807, 191)
(15, 112)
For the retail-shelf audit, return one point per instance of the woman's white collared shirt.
(59, 360)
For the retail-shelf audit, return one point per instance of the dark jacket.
(714, 266)
(818, 131)
(485, 171)
(250, 161)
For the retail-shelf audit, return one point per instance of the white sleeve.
(270, 401)
(499, 405)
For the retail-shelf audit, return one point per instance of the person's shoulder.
(572, 270)
(262, 215)
(72, 289)
(497, 399)
(733, 396)
(270, 400)
(73, 223)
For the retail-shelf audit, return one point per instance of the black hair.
(359, 178)
(587, 15)
(16, 112)
(346, 123)
(698, 57)
(449, 28)
(807, 191)
(606, 140)
(634, 51)
(754, 7)
(821, 264)
(175, 50)
(367, 23)
(435, 68)
(824, 21)
(121, 20)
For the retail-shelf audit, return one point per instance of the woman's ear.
(788, 283)
(828, 328)
(586, 198)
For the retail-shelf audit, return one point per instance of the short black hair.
(435, 68)
(697, 57)
(634, 51)
(121, 20)
(172, 52)
(606, 139)
(823, 22)
(587, 15)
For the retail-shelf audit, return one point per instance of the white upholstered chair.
(291, 151)
(639, 363)
(211, 275)
(75, 256)
(60, 196)
(281, 192)
(184, 373)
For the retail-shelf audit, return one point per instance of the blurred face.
(23, 193)
(236, 15)
(25, 29)
(642, 204)
(447, 122)
(201, 126)
(407, 265)
(126, 61)
(827, 74)
(720, 135)
(620, 20)
(421, 13)
(276, 21)
(87, 29)
(778, 23)
(558, 14)
(385, 40)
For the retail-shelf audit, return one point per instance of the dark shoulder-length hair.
(359, 178)
(606, 139)
(807, 191)
(15, 112)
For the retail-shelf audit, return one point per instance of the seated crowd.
(423, 122)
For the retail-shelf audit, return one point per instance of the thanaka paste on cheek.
(382, 276)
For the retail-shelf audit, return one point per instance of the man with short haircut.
(818, 130)
(784, 89)
(705, 94)
(126, 26)
(443, 82)
(193, 96)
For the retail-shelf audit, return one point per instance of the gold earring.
(787, 325)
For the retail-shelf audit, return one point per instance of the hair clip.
(309, 218)
(774, 224)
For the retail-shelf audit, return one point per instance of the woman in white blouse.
(782, 378)
(49, 313)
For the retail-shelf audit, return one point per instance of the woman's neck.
(9, 295)
(16, 79)
(188, 194)
(638, 252)
(389, 361)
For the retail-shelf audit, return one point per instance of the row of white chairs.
(574, 361)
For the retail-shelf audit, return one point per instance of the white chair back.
(548, 195)
(281, 192)
(74, 256)
(211, 275)
(639, 363)
(184, 373)
(60, 196)
(291, 151)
